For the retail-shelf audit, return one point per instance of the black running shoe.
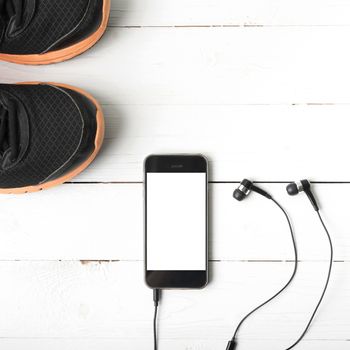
(49, 31)
(49, 133)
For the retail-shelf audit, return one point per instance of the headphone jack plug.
(231, 345)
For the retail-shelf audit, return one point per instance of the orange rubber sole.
(98, 144)
(67, 53)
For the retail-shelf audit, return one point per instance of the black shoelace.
(9, 129)
(12, 9)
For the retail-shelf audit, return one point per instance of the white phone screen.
(176, 221)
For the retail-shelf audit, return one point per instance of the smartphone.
(176, 221)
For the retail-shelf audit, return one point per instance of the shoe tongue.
(13, 29)
(22, 131)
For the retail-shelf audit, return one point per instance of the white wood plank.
(132, 344)
(109, 303)
(105, 222)
(265, 142)
(228, 12)
(159, 100)
(207, 66)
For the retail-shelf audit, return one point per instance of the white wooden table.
(263, 89)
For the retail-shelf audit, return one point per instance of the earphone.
(293, 189)
(302, 186)
(244, 189)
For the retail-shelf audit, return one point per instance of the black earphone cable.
(234, 338)
(155, 326)
(325, 286)
(156, 298)
(285, 286)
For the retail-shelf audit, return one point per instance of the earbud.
(245, 188)
(303, 186)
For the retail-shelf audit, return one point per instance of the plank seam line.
(102, 261)
(168, 338)
(291, 104)
(210, 182)
(194, 26)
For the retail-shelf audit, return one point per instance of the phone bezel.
(177, 163)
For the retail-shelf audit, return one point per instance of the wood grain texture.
(132, 344)
(207, 66)
(267, 143)
(70, 303)
(228, 12)
(105, 222)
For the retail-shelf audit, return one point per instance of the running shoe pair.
(49, 132)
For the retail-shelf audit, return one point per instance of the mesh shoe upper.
(62, 128)
(47, 25)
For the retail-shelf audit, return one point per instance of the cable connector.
(231, 345)
(156, 296)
